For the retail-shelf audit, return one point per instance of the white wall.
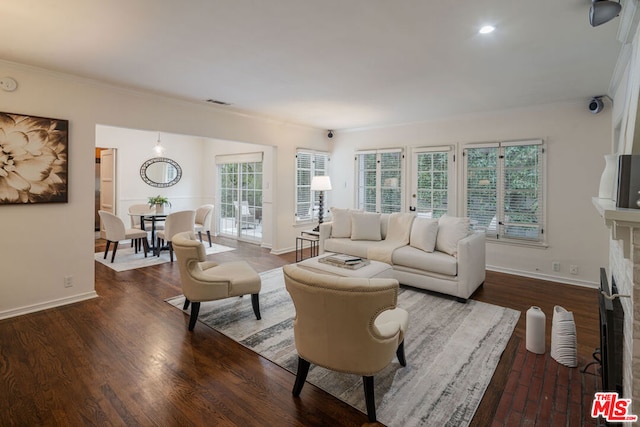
(576, 142)
(41, 244)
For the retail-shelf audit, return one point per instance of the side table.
(313, 239)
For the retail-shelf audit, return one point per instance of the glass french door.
(240, 196)
(432, 182)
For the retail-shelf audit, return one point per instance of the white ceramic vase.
(535, 330)
(608, 177)
(159, 208)
(563, 338)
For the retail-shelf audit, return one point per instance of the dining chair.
(135, 213)
(177, 222)
(115, 231)
(203, 221)
(346, 324)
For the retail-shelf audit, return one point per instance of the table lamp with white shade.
(321, 184)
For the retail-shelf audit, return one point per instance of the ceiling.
(330, 64)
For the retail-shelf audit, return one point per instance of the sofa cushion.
(365, 226)
(434, 262)
(424, 233)
(450, 230)
(340, 222)
(346, 246)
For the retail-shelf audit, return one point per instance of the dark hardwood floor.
(126, 358)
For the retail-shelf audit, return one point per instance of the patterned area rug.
(452, 350)
(127, 259)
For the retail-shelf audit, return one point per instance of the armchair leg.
(400, 354)
(170, 251)
(107, 250)
(115, 248)
(200, 236)
(209, 237)
(301, 376)
(195, 309)
(369, 398)
(186, 304)
(255, 302)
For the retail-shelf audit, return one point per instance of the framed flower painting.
(33, 159)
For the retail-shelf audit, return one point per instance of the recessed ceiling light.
(487, 29)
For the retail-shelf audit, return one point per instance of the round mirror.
(160, 172)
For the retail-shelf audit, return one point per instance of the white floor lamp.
(321, 184)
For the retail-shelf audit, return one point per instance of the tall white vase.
(535, 330)
(608, 177)
(159, 208)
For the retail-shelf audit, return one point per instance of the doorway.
(240, 196)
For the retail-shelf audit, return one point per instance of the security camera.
(596, 105)
(330, 134)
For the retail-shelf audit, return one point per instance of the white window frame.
(359, 203)
(313, 195)
(497, 232)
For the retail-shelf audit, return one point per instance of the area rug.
(127, 259)
(452, 350)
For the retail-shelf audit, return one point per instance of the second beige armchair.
(204, 280)
(346, 324)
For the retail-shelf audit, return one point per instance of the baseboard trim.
(540, 276)
(47, 305)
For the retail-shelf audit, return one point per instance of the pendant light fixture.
(603, 11)
(158, 148)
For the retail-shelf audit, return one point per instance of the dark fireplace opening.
(609, 355)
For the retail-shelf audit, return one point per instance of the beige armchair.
(203, 221)
(115, 232)
(204, 280)
(346, 324)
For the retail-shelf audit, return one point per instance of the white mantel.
(621, 221)
(624, 265)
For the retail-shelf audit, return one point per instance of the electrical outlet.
(573, 269)
(68, 281)
(555, 266)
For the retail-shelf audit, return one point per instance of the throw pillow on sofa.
(365, 226)
(450, 230)
(424, 233)
(341, 222)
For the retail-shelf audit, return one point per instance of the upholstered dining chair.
(204, 280)
(203, 221)
(175, 223)
(346, 324)
(115, 231)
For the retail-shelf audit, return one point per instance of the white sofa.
(437, 255)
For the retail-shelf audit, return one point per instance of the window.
(308, 165)
(504, 189)
(433, 181)
(379, 180)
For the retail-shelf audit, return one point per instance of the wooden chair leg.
(115, 248)
(400, 354)
(158, 246)
(301, 376)
(200, 236)
(170, 251)
(209, 237)
(195, 309)
(107, 250)
(255, 302)
(186, 304)
(145, 246)
(369, 398)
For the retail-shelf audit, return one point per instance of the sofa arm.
(471, 263)
(325, 233)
